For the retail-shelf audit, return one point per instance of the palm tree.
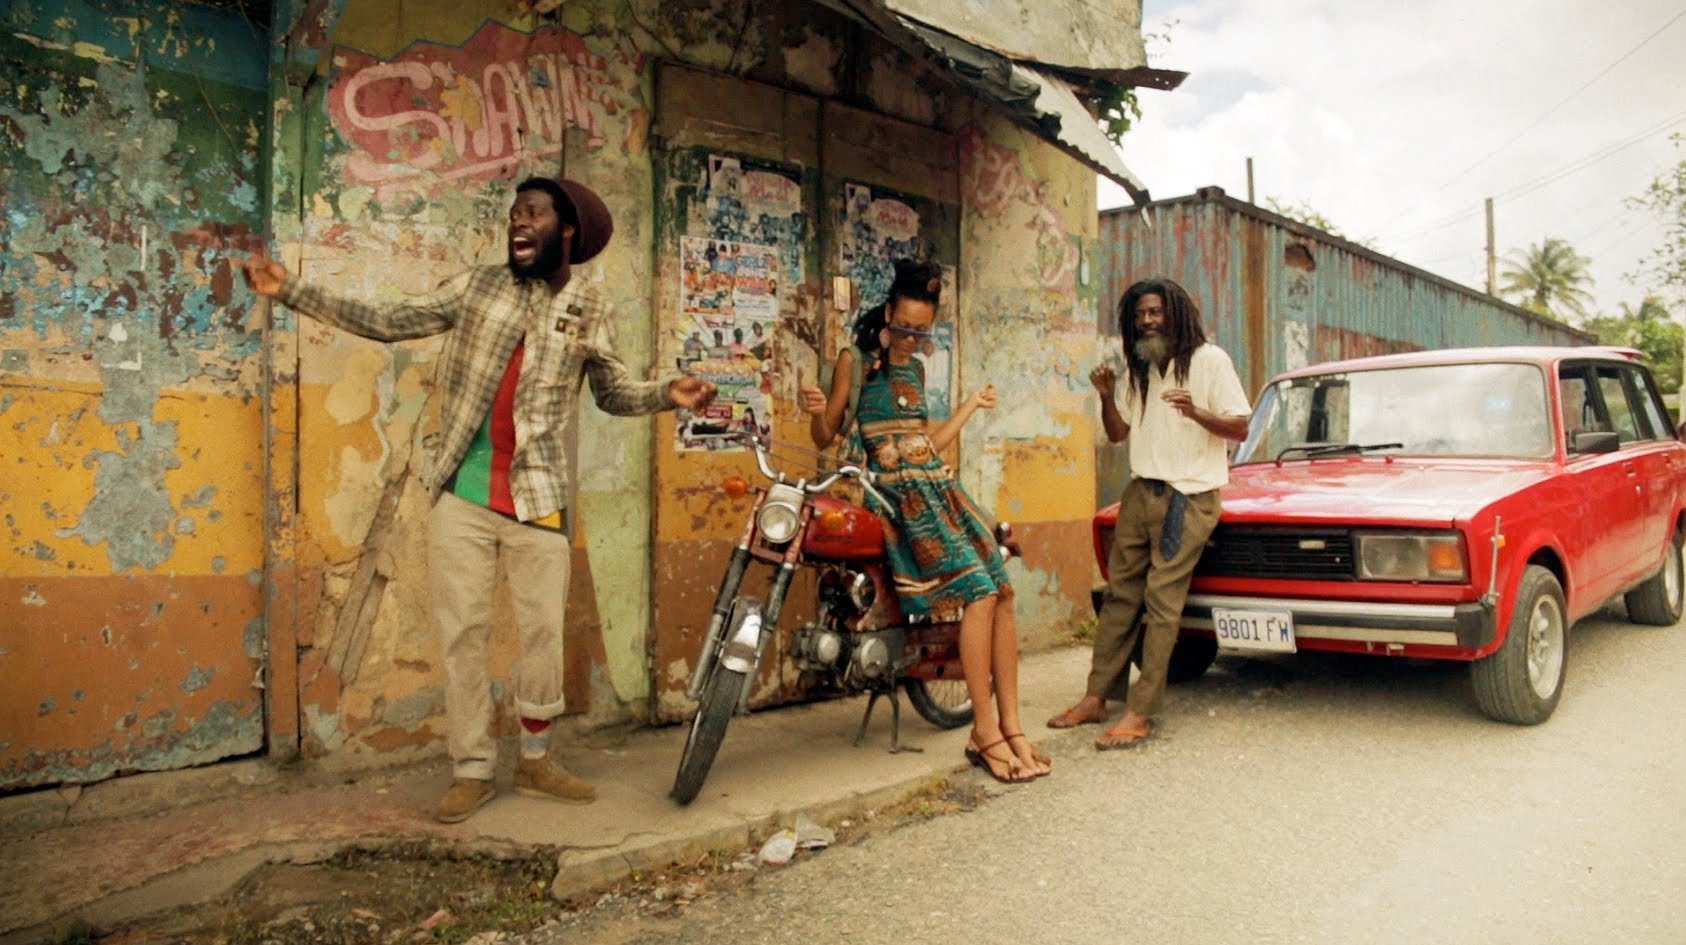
(1547, 277)
(1651, 309)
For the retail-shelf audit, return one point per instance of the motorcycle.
(859, 640)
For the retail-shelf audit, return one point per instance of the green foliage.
(1549, 278)
(1652, 330)
(1307, 214)
(1116, 107)
(1666, 197)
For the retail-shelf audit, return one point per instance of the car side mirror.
(1599, 442)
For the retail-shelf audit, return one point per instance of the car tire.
(1658, 601)
(1522, 680)
(1190, 658)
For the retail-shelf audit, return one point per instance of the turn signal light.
(735, 486)
(1445, 558)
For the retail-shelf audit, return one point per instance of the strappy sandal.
(981, 757)
(1041, 757)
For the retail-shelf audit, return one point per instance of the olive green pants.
(1145, 592)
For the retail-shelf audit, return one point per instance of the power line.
(1579, 164)
(1566, 99)
(1592, 159)
(1552, 110)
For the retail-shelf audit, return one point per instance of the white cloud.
(1396, 120)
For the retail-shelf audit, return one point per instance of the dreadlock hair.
(917, 280)
(1182, 330)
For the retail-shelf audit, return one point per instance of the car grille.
(1306, 554)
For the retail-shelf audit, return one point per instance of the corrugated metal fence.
(1279, 294)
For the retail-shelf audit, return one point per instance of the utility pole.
(1492, 285)
(1250, 182)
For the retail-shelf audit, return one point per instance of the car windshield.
(1435, 410)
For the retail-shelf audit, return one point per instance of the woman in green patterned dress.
(941, 547)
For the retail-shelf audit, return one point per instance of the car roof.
(1545, 355)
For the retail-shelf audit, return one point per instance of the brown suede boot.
(465, 796)
(541, 777)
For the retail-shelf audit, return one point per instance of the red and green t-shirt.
(483, 475)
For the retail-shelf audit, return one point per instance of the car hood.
(1372, 489)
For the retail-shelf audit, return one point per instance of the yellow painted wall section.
(1027, 226)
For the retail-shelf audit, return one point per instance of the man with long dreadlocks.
(1183, 402)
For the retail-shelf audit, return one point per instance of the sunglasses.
(906, 332)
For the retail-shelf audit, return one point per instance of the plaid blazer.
(487, 311)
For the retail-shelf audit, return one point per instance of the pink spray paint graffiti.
(441, 114)
(995, 180)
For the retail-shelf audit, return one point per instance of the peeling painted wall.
(165, 451)
(1027, 237)
(130, 425)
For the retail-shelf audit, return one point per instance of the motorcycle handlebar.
(849, 471)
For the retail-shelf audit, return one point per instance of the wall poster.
(743, 240)
(729, 302)
(880, 227)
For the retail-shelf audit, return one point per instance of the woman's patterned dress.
(941, 547)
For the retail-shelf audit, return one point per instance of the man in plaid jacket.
(520, 340)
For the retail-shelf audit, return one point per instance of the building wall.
(235, 486)
(131, 431)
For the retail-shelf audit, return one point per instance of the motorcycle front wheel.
(942, 702)
(719, 700)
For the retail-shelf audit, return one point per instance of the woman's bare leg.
(976, 646)
(1004, 664)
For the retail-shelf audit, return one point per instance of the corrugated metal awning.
(1074, 130)
(1038, 99)
(1096, 37)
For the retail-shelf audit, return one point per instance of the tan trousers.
(464, 543)
(1140, 577)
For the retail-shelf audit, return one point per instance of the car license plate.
(1267, 630)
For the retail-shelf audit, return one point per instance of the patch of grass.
(78, 932)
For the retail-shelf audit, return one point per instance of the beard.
(545, 262)
(1153, 349)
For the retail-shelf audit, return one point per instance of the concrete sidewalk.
(136, 845)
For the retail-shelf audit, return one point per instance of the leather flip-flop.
(1133, 735)
(1070, 718)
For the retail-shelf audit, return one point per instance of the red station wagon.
(1460, 505)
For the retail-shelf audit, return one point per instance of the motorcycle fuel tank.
(842, 531)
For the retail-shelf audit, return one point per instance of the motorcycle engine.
(845, 593)
(854, 658)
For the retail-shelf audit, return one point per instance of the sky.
(1395, 120)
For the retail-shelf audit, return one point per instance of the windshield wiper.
(1333, 449)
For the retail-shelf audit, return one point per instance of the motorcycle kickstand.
(896, 745)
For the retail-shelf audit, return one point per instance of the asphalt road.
(1314, 799)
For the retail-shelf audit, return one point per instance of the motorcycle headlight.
(862, 593)
(780, 514)
(1393, 556)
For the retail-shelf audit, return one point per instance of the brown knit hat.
(594, 224)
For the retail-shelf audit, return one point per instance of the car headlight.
(1392, 556)
(780, 514)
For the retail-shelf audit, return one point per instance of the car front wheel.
(1522, 681)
